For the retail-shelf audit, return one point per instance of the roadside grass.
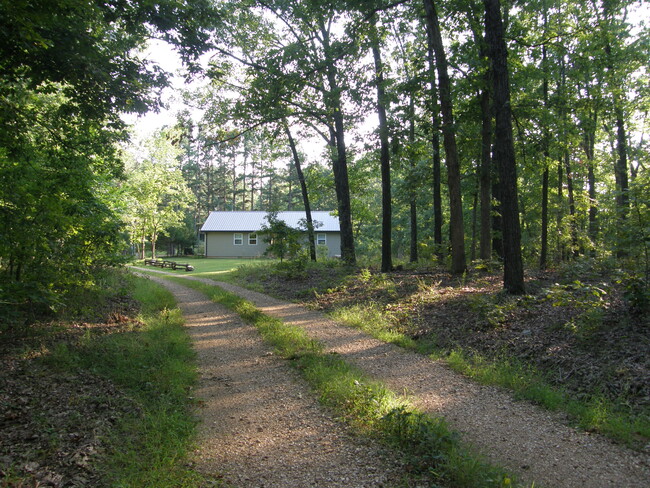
(432, 449)
(370, 318)
(595, 413)
(153, 364)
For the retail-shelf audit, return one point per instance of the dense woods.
(440, 132)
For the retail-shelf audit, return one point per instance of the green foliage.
(283, 241)
(156, 193)
(68, 69)
(151, 362)
(637, 293)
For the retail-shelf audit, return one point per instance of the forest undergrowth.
(100, 395)
(577, 341)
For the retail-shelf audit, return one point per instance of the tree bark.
(458, 263)
(386, 204)
(485, 179)
(504, 151)
(546, 153)
(413, 208)
(435, 148)
(303, 190)
(339, 163)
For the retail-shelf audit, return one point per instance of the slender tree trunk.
(474, 221)
(340, 165)
(560, 210)
(543, 256)
(546, 153)
(413, 209)
(485, 179)
(436, 163)
(458, 264)
(572, 204)
(589, 142)
(386, 205)
(303, 189)
(504, 153)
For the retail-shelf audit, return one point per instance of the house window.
(238, 239)
(252, 239)
(321, 239)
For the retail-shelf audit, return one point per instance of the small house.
(236, 234)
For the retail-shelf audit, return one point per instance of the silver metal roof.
(252, 221)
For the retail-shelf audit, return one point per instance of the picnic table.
(164, 263)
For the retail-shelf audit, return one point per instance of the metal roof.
(252, 221)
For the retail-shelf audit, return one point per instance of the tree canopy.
(448, 131)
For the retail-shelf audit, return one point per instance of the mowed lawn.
(211, 267)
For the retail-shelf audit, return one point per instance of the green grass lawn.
(217, 269)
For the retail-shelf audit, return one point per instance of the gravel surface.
(260, 425)
(528, 441)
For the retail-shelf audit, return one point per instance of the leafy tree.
(67, 70)
(158, 193)
(283, 240)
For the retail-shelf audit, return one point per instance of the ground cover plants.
(576, 341)
(100, 397)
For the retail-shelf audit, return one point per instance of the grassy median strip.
(430, 446)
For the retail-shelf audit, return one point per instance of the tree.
(67, 70)
(458, 264)
(158, 193)
(504, 152)
(283, 241)
(386, 201)
(305, 195)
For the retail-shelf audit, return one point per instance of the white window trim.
(254, 238)
(240, 239)
(324, 239)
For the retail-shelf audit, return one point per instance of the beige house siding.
(223, 244)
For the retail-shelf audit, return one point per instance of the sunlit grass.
(371, 319)
(595, 413)
(428, 444)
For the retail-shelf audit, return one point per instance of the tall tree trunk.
(543, 256)
(436, 163)
(303, 189)
(589, 145)
(339, 163)
(386, 204)
(457, 230)
(504, 151)
(485, 178)
(546, 154)
(413, 209)
(560, 212)
(474, 221)
(572, 204)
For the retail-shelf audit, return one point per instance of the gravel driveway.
(260, 408)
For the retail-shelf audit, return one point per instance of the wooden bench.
(187, 266)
